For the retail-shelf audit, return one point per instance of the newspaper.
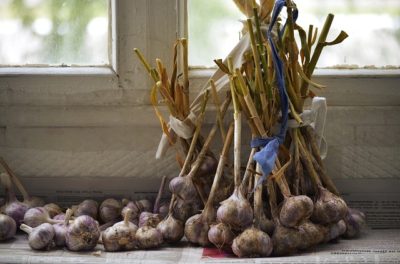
(375, 246)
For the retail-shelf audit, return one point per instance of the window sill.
(198, 73)
(104, 71)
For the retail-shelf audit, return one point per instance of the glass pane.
(373, 28)
(54, 32)
(214, 28)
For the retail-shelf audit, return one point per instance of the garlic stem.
(209, 207)
(258, 204)
(159, 194)
(127, 216)
(15, 179)
(27, 229)
(195, 136)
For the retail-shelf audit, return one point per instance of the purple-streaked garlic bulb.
(355, 221)
(53, 209)
(60, 216)
(197, 226)
(8, 227)
(135, 211)
(40, 237)
(207, 167)
(183, 187)
(164, 209)
(110, 210)
(82, 234)
(236, 211)
(184, 209)
(328, 207)
(87, 207)
(60, 230)
(121, 236)
(145, 205)
(171, 229)
(252, 243)
(221, 236)
(149, 237)
(295, 209)
(149, 219)
(335, 230)
(13, 208)
(37, 216)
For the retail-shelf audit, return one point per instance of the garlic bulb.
(163, 210)
(120, 236)
(37, 216)
(221, 236)
(145, 205)
(335, 230)
(197, 226)
(8, 227)
(149, 219)
(296, 209)
(135, 212)
(285, 240)
(171, 229)
(110, 210)
(60, 216)
(53, 209)
(252, 243)
(82, 234)
(184, 209)
(236, 211)
(149, 237)
(40, 237)
(311, 234)
(13, 208)
(87, 207)
(355, 223)
(328, 207)
(60, 230)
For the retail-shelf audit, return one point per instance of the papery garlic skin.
(236, 211)
(221, 236)
(149, 237)
(82, 234)
(252, 243)
(171, 229)
(296, 209)
(40, 237)
(110, 210)
(121, 236)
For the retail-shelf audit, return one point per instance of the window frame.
(126, 74)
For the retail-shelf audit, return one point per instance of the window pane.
(214, 28)
(54, 32)
(373, 28)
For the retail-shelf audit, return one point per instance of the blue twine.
(267, 155)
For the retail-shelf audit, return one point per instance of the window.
(54, 32)
(373, 27)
